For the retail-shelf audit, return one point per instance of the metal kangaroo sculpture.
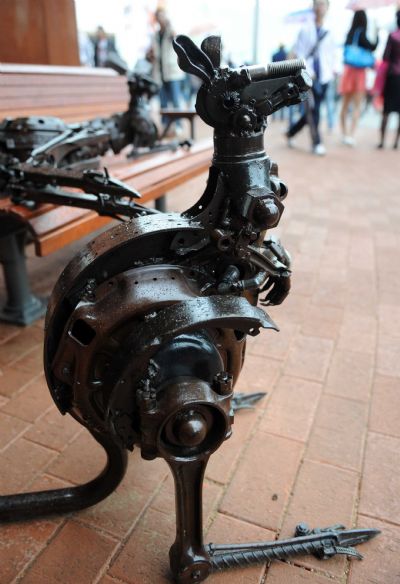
(146, 328)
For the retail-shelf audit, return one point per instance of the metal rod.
(24, 506)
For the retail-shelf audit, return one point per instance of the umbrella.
(365, 4)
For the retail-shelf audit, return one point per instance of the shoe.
(348, 140)
(290, 142)
(319, 150)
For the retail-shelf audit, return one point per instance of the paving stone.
(338, 433)
(309, 358)
(230, 530)
(322, 321)
(10, 428)
(381, 555)
(23, 460)
(7, 331)
(385, 407)
(122, 509)
(13, 380)
(18, 345)
(54, 430)
(260, 487)
(76, 554)
(380, 484)
(272, 344)
(357, 333)
(281, 573)
(322, 496)
(258, 374)
(20, 543)
(144, 558)
(31, 402)
(350, 375)
(223, 460)
(290, 411)
(387, 360)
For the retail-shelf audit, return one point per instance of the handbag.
(356, 56)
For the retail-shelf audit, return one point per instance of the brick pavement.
(323, 447)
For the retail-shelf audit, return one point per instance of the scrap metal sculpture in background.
(146, 328)
(49, 141)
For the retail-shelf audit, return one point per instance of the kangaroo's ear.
(212, 47)
(193, 60)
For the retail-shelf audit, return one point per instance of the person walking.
(391, 91)
(166, 70)
(353, 82)
(104, 46)
(315, 44)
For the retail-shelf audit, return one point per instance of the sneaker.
(348, 140)
(290, 142)
(319, 150)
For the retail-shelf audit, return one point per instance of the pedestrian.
(104, 46)
(353, 82)
(166, 70)
(391, 91)
(315, 44)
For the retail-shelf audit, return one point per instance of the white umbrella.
(365, 4)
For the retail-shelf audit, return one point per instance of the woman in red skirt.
(353, 85)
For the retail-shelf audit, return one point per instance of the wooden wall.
(38, 31)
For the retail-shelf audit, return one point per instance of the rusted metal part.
(146, 327)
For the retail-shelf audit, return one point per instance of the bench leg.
(161, 204)
(22, 307)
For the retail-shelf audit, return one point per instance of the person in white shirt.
(315, 44)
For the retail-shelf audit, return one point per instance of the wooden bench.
(74, 94)
(172, 115)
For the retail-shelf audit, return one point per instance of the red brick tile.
(31, 403)
(389, 320)
(54, 430)
(76, 554)
(380, 484)
(224, 459)
(309, 358)
(20, 344)
(322, 321)
(80, 462)
(7, 331)
(387, 361)
(108, 580)
(10, 428)
(84, 458)
(23, 460)
(381, 555)
(144, 558)
(358, 332)
(338, 433)
(281, 573)
(165, 498)
(230, 530)
(258, 374)
(323, 495)
(329, 293)
(19, 544)
(13, 379)
(272, 344)
(291, 408)
(261, 485)
(121, 510)
(31, 362)
(385, 407)
(350, 375)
